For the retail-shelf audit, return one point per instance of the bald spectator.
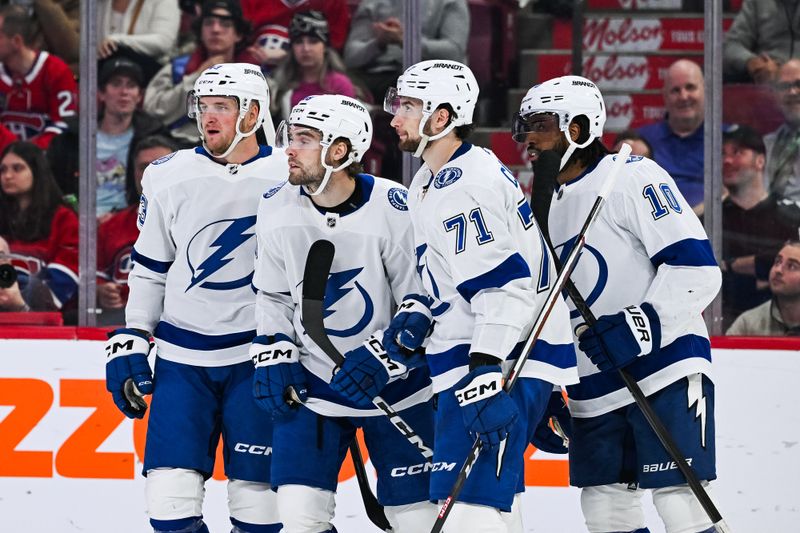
(783, 144)
(781, 315)
(677, 140)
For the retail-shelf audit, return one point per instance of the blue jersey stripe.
(688, 252)
(600, 384)
(557, 355)
(514, 267)
(455, 357)
(198, 341)
(160, 267)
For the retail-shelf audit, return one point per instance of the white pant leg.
(174, 493)
(680, 509)
(305, 509)
(467, 517)
(411, 518)
(612, 508)
(252, 503)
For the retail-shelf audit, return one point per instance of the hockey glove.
(128, 374)
(617, 340)
(279, 381)
(544, 437)
(488, 411)
(366, 371)
(407, 331)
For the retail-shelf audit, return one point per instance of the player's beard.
(309, 177)
(411, 144)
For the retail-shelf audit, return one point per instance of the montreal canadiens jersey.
(373, 269)
(35, 105)
(646, 246)
(482, 259)
(191, 282)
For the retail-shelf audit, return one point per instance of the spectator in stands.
(677, 141)
(753, 229)
(222, 35)
(142, 30)
(374, 50)
(38, 89)
(638, 144)
(37, 224)
(783, 144)
(780, 316)
(116, 236)
(121, 125)
(312, 67)
(57, 25)
(11, 299)
(271, 20)
(763, 36)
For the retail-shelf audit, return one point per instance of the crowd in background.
(150, 52)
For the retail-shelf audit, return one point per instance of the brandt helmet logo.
(254, 72)
(584, 84)
(358, 106)
(448, 66)
(351, 301)
(216, 255)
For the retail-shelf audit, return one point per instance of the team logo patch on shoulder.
(163, 159)
(398, 198)
(446, 177)
(142, 211)
(270, 193)
(634, 158)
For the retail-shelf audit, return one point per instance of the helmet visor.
(533, 123)
(402, 106)
(297, 137)
(211, 105)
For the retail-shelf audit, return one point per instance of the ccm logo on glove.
(282, 352)
(480, 388)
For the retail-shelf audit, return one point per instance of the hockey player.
(647, 273)
(366, 218)
(483, 262)
(190, 288)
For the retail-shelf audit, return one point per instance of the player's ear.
(574, 131)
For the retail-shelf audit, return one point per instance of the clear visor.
(402, 106)
(533, 123)
(211, 105)
(297, 137)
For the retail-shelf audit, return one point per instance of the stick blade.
(318, 267)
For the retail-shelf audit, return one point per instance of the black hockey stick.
(545, 173)
(536, 330)
(374, 509)
(315, 278)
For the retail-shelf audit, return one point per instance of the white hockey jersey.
(482, 258)
(373, 269)
(646, 246)
(194, 257)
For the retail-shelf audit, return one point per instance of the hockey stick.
(536, 330)
(315, 278)
(546, 172)
(374, 509)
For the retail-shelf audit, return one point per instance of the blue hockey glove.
(617, 340)
(366, 371)
(407, 331)
(546, 438)
(279, 381)
(128, 374)
(488, 411)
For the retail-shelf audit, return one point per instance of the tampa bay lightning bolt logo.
(337, 289)
(270, 193)
(398, 198)
(216, 257)
(163, 159)
(595, 264)
(446, 177)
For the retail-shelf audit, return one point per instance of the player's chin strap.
(329, 170)
(572, 146)
(424, 139)
(239, 136)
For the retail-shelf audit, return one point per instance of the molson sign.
(613, 71)
(639, 34)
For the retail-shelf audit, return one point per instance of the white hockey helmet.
(242, 81)
(436, 82)
(334, 116)
(567, 97)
